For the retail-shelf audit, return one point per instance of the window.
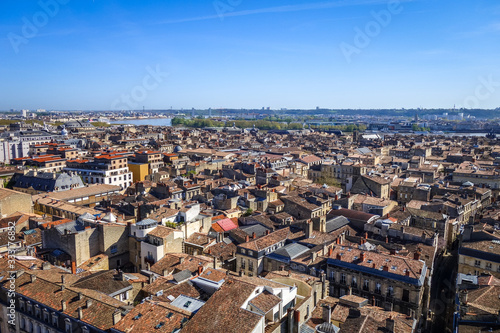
(366, 285)
(67, 326)
(390, 291)
(342, 278)
(124, 296)
(243, 264)
(113, 249)
(477, 263)
(332, 276)
(406, 295)
(54, 319)
(488, 265)
(377, 288)
(354, 282)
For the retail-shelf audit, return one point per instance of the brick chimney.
(254, 235)
(386, 268)
(407, 272)
(416, 255)
(393, 251)
(247, 239)
(268, 232)
(362, 257)
(200, 269)
(339, 257)
(330, 252)
(73, 267)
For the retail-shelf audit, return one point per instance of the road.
(443, 292)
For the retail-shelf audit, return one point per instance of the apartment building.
(394, 283)
(103, 169)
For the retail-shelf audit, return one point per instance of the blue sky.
(99, 55)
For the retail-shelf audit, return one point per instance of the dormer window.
(67, 325)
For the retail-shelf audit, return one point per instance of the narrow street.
(443, 292)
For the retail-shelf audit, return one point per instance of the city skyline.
(116, 55)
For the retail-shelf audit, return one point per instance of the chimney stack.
(247, 239)
(80, 296)
(117, 316)
(393, 251)
(407, 272)
(386, 268)
(33, 278)
(80, 313)
(416, 255)
(89, 303)
(330, 252)
(339, 257)
(200, 269)
(362, 257)
(63, 305)
(389, 325)
(268, 232)
(327, 313)
(254, 236)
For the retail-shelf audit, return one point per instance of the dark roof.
(48, 181)
(335, 223)
(182, 275)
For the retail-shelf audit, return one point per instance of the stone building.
(13, 201)
(392, 282)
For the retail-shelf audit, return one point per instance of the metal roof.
(291, 250)
(187, 303)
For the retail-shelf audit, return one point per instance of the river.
(147, 121)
